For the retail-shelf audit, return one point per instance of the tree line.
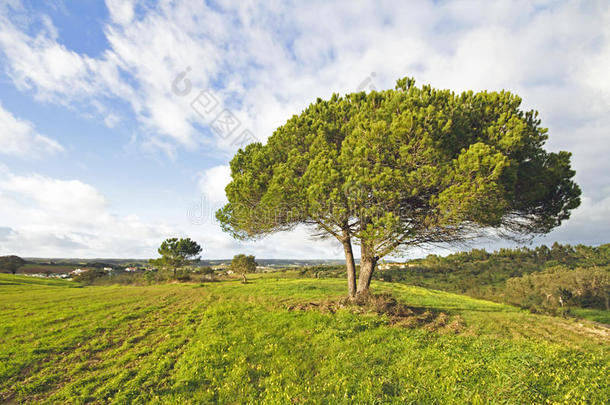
(543, 279)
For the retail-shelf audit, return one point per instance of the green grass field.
(232, 343)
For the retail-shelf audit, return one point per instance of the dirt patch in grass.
(596, 330)
(397, 313)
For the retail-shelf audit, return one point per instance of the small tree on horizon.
(397, 169)
(242, 264)
(176, 253)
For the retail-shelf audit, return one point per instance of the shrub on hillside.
(183, 274)
(11, 263)
(206, 271)
(90, 276)
(560, 287)
(323, 271)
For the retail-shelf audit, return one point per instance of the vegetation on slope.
(231, 342)
(477, 271)
(542, 279)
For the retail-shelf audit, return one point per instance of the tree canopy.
(242, 264)
(400, 168)
(11, 263)
(176, 253)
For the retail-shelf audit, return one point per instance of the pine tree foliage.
(400, 168)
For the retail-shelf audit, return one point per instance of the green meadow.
(272, 341)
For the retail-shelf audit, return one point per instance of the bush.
(323, 271)
(183, 275)
(90, 276)
(203, 270)
(560, 288)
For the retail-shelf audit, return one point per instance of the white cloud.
(267, 61)
(274, 59)
(212, 183)
(51, 217)
(18, 137)
(54, 72)
(121, 11)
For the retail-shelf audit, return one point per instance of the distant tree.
(206, 271)
(543, 253)
(11, 263)
(177, 253)
(242, 264)
(399, 169)
(89, 276)
(477, 254)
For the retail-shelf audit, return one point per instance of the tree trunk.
(367, 267)
(351, 266)
(243, 278)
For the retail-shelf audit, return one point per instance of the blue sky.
(103, 155)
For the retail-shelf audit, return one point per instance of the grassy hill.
(275, 341)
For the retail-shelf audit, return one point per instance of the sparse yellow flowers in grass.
(232, 343)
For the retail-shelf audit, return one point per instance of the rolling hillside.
(277, 340)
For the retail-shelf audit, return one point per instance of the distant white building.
(131, 269)
(76, 272)
(388, 266)
(108, 269)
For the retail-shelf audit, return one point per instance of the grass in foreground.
(232, 343)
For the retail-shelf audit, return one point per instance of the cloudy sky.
(118, 119)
